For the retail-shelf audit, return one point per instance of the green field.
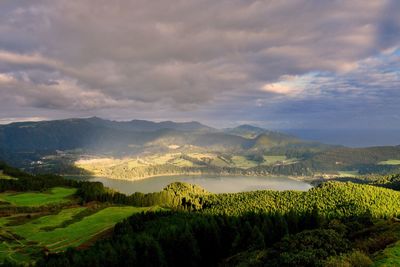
(389, 257)
(274, 159)
(19, 242)
(5, 176)
(24, 235)
(243, 162)
(74, 234)
(56, 195)
(348, 173)
(390, 162)
(132, 168)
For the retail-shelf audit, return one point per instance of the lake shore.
(213, 184)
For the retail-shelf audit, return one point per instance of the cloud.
(19, 59)
(142, 57)
(279, 88)
(21, 119)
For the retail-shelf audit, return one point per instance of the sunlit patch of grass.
(181, 162)
(390, 162)
(274, 159)
(348, 173)
(243, 162)
(389, 257)
(5, 176)
(56, 195)
(20, 242)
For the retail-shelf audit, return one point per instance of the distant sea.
(350, 137)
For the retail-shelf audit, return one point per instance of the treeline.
(332, 199)
(263, 228)
(178, 195)
(123, 172)
(181, 239)
(195, 239)
(343, 157)
(378, 169)
(389, 181)
(298, 169)
(28, 182)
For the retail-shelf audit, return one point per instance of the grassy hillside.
(334, 224)
(54, 196)
(26, 235)
(134, 168)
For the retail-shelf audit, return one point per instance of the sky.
(303, 64)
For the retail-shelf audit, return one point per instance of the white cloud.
(21, 119)
(92, 55)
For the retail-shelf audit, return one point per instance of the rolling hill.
(55, 146)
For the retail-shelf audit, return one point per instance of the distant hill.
(56, 145)
(31, 141)
(249, 131)
(149, 126)
(99, 134)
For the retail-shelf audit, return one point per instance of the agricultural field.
(25, 235)
(5, 176)
(348, 173)
(390, 162)
(57, 195)
(133, 168)
(243, 162)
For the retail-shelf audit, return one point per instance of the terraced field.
(56, 195)
(22, 236)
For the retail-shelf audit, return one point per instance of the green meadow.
(24, 236)
(348, 173)
(5, 176)
(390, 162)
(56, 195)
(389, 257)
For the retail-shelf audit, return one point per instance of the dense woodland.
(331, 224)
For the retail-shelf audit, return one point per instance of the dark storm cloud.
(160, 59)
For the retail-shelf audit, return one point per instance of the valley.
(135, 150)
(89, 192)
(179, 164)
(69, 222)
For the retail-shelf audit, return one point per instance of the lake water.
(214, 184)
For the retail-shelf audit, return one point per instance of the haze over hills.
(349, 137)
(226, 133)
(140, 148)
(95, 133)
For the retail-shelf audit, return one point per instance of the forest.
(333, 224)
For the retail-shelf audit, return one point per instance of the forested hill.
(335, 224)
(93, 132)
(157, 148)
(25, 142)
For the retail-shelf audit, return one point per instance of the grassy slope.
(390, 162)
(55, 196)
(389, 257)
(135, 167)
(29, 238)
(5, 176)
(76, 233)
